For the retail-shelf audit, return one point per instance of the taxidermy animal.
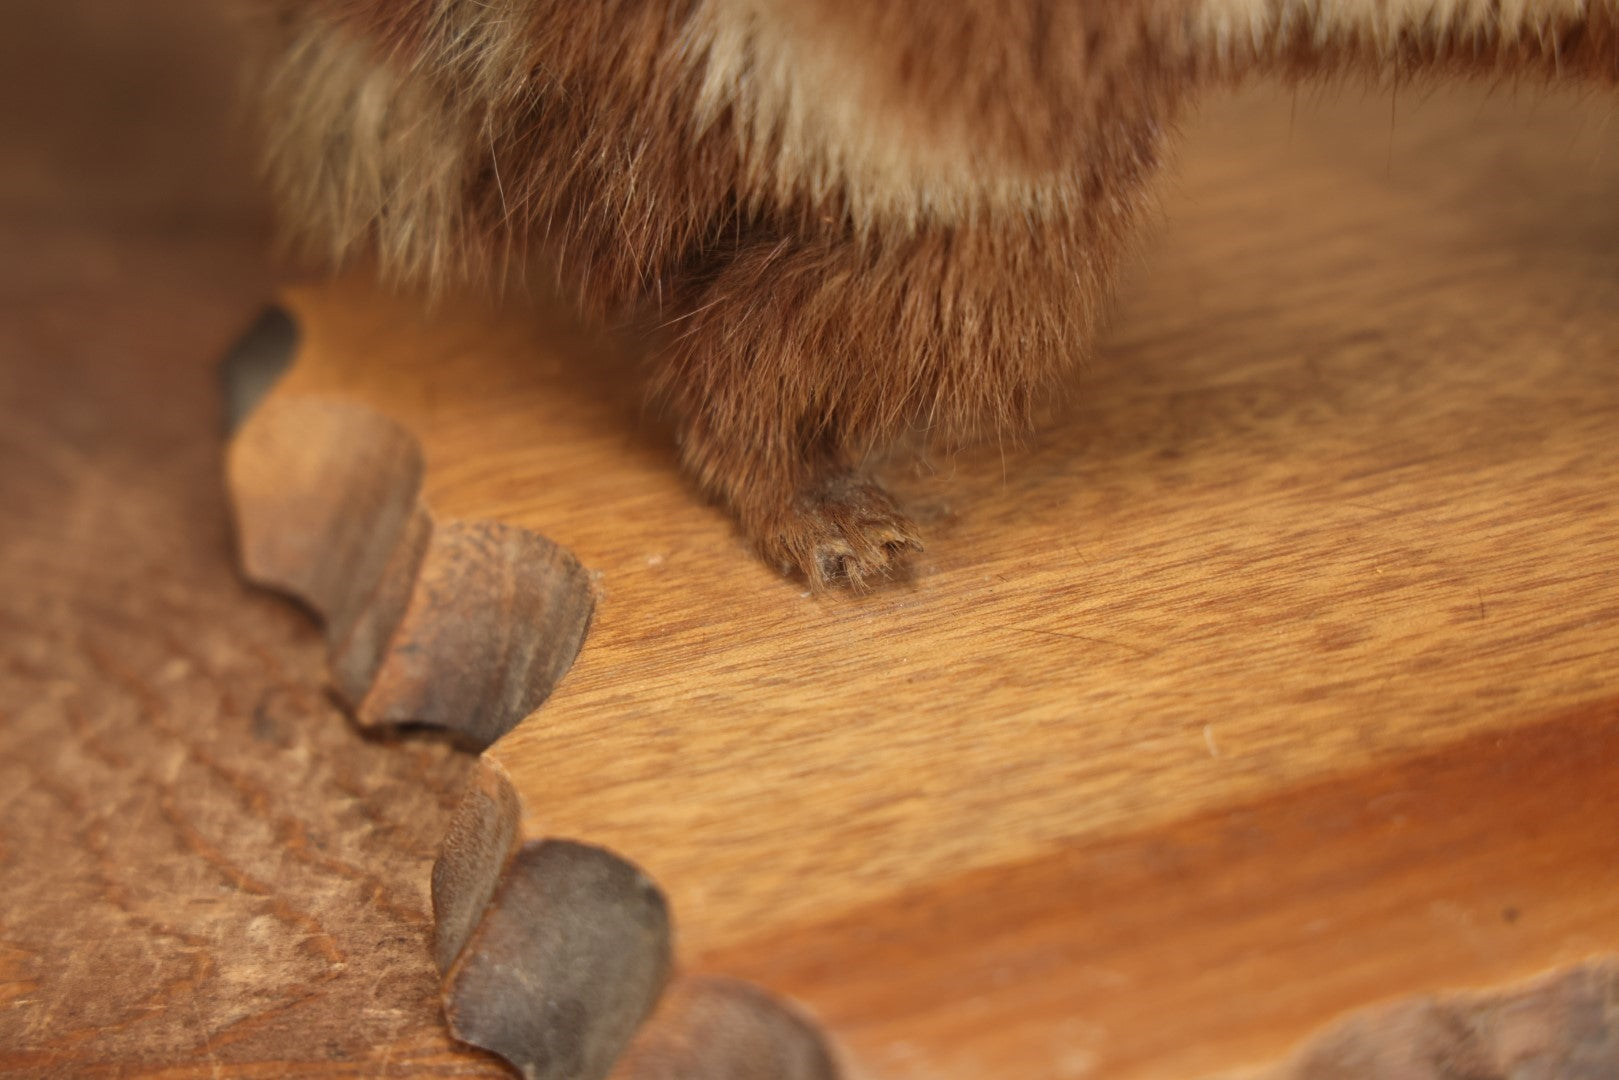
(853, 222)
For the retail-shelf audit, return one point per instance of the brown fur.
(852, 221)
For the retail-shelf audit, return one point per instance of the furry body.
(852, 222)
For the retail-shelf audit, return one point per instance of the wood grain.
(1328, 530)
(205, 871)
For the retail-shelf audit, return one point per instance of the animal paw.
(845, 532)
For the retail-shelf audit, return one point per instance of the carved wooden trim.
(1561, 1025)
(554, 952)
(589, 933)
(465, 626)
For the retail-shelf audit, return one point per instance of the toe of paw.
(862, 556)
(844, 534)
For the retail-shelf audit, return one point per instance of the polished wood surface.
(1272, 678)
(206, 872)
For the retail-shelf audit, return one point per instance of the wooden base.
(1277, 678)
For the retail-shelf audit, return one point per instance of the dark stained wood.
(205, 870)
(566, 964)
(1560, 1027)
(724, 1029)
(204, 865)
(463, 626)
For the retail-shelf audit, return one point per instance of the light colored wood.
(1268, 681)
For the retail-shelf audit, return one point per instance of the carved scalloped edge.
(1563, 1024)
(462, 625)
(555, 953)
(518, 921)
